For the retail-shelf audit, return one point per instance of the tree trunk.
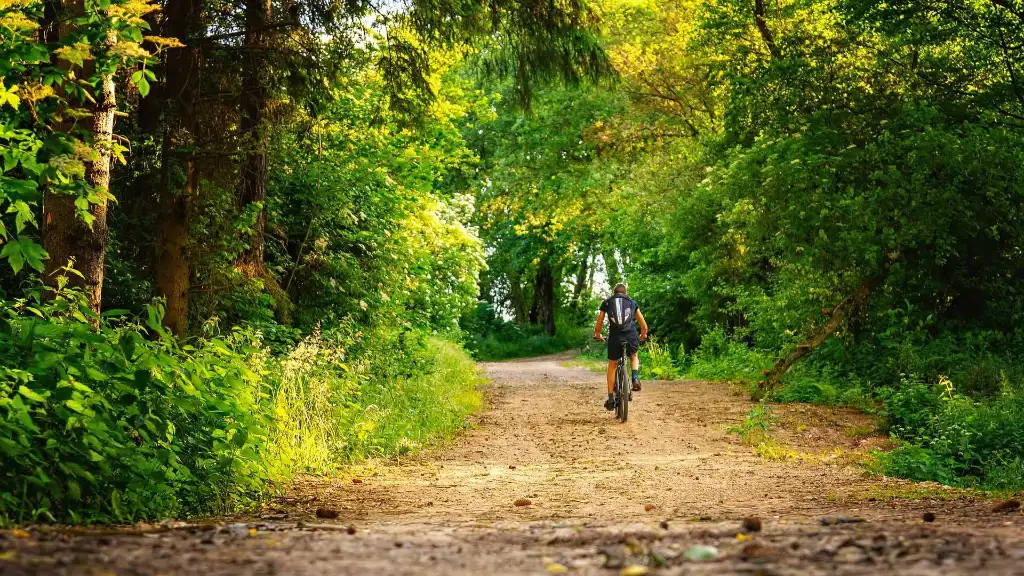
(67, 237)
(581, 282)
(179, 179)
(535, 305)
(516, 298)
(590, 277)
(773, 378)
(254, 100)
(546, 297)
(611, 265)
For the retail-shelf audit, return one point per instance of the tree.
(179, 176)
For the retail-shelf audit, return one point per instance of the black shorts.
(615, 344)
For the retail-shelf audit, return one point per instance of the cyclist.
(623, 315)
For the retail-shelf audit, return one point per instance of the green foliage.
(400, 254)
(656, 361)
(915, 463)
(755, 426)
(955, 439)
(837, 148)
(342, 396)
(490, 338)
(114, 425)
(313, 240)
(44, 87)
(118, 426)
(395, 414)
(720, 358)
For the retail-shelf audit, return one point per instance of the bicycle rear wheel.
(623, 390)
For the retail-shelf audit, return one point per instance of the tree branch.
(773, 378)
(762, 27)
(1014, 86)
(1019, 13)
(229, 35)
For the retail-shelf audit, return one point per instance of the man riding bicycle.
(621, 311)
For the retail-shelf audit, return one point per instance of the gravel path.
(547, 482)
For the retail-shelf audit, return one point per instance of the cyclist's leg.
(634, 362)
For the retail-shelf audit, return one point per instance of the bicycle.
(623, 383)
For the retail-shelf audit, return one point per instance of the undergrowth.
(525, 342)
(965, 431)
(756, 425)
(122, 422)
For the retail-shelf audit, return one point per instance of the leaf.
(30, 394)
(143, 87)
(633, 570)
(10, 249)
(12, 99)
(74, 491)
(23, 215)
(16, 260)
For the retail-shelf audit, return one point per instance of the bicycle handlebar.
(600, 338)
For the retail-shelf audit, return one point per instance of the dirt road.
(547, 482)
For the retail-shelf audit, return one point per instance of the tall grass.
(395, 416)
(391, 397)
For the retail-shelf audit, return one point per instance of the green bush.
(122, 423)
(342, 396)
(395, 415)
(916, 463)
(720, 358)
(656, 361)
(956, 439)
(825, 385)
(490, 338)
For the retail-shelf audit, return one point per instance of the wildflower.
(68, 165)
(76, 53)
(17, 21)
(129, 51)
(162, 41)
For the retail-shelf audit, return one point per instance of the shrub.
(955, 439)
(490, 338)
(718, 358)
(122, 423)
(656, 361)
(342, 396)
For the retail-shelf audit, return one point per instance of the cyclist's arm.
(643, 325)
(600, 323)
